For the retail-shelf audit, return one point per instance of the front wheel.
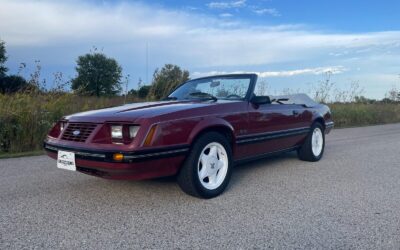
(314, 144)
(207, 169)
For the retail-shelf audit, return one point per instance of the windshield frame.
(250, 90)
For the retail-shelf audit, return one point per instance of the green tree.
(133, 92)
(387, 100)
(363, 99)
(13, 83)
(97, 75)
(167, 79)
(3, 59)
(143, 92)
(393, 94)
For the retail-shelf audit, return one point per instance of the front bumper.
(143, 164)
(329, 126)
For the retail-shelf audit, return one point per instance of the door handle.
(295, 112)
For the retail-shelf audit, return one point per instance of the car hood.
(134, 111)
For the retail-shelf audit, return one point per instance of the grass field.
(361, 114)
(25, 119)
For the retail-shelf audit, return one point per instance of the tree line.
(96, 75)
(102, 76)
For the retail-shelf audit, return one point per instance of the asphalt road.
(348, 200)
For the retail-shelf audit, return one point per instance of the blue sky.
(291, 44)
(339, 15)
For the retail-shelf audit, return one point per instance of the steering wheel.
(233, 96)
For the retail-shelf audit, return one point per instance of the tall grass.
(25, 118)
(362, 114)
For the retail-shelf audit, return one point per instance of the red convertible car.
(198, 133)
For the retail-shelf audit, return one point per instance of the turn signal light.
(150, 135)
(118, 157)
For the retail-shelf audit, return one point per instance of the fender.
(323, 115)
(210, 122)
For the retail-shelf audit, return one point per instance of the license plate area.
(66, 160)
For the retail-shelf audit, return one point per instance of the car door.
(274, 127)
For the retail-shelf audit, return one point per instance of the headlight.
(116, 131)
(57, 129)
(62, 126)
(123, 133)
(133, 131)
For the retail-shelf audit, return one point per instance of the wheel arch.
(218, 125)
(319, 120)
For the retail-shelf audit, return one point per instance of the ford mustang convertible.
(198, 133)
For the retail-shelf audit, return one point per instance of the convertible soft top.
(301, 99)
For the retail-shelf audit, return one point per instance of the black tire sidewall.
(305, 152)
(317, 125)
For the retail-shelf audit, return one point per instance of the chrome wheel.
(317, 142)
(212, 166)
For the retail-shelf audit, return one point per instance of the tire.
(210, 158)
(306, 152)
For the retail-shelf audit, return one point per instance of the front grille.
(85, 129)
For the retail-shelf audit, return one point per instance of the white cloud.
(191, 8)
(227, 5)
(269, 11)
(285, 73)
(199, 40)
(189, 38)
(58, 31)
(225, 15)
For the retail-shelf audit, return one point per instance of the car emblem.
(76, 132)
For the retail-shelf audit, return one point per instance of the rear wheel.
(314, 144)
(207, 169)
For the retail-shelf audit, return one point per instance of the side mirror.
(259, 100)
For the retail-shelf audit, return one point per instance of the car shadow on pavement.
(166, 188)
(276, 161)
(166, 179)
(239, 174)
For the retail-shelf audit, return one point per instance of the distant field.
(25, 119)
(360, 114)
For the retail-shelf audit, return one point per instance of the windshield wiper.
(169, 98)
(204, 95)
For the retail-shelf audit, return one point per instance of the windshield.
(227, 88)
